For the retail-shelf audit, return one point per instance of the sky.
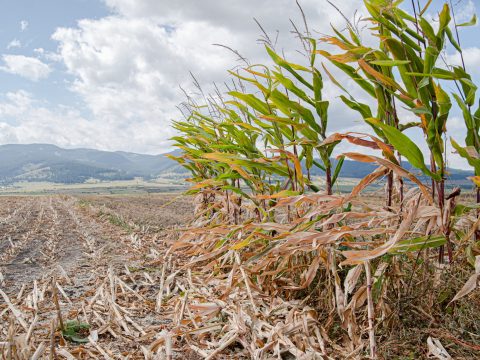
(106, 74)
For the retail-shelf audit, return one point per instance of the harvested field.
(102, 265)
(152, 210)
(335, 186)
(106, 261)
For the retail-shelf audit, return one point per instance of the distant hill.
(355, 169)
(44, 162)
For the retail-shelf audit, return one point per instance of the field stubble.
(108, 261)
(90, 260)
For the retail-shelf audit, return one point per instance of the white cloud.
(23, 25)
(15, 103)
(15, 43)
(26, 119)
(127, 67)
(471, 57)
(48, 55)
(25, 66)
(465, 11)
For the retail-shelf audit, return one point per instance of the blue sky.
(105, 73)
(29, 25)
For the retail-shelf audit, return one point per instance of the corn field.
(277, 262)
(281, 265)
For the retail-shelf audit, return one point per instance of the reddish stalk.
(328, 180)
(389, 189)
(477, 232)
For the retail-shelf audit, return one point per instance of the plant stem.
(57, 304)
(445, 222)
(328, 180)
(389, 188)
(477, 232)
(371, 311)
(433, 168)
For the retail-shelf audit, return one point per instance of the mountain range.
(45, 162)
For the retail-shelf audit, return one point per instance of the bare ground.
(90, 248)
(39, 234)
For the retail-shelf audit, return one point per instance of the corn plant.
(409, 45)
(251, 152)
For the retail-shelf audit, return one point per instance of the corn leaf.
(389, 62)
(472, 22)
(418, 244)
(404, 146)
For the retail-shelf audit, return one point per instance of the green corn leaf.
(404, 15)
(470, 90)
(289, 67)
(389, 62)
(444, 105)
(420, 110)
(289, 107)
(461, 209)
(408, 125)
(472, 22)
(284, 121)
(402, 55)
(76, 331)
(468, 87)
(418, 244)
(476, 118)
(430, 57)
(250, 80)
(251, 100)
(352, 73)
(308, 150)
(469, 153)
(314, 187)
(289, 85)
(382, 18)
(322, 110)
(437, 75)
(338, 168)
(428, 31)
(321, 106)
(404, 146)
(363, 109)
(341, 36)
(452, 39)
(237, 191)
(467, 116)
(444, 18)
(320, 166)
